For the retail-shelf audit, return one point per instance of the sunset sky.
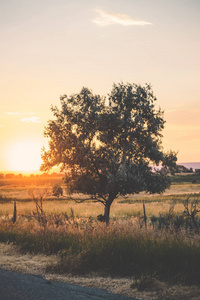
(55, 47)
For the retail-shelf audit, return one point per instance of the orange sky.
(49, 48)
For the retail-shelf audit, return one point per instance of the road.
(19, 286)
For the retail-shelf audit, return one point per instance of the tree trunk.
(107, 213)
(110, 200)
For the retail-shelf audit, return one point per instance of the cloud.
(31, 120)
(12, 113)
(105, 19)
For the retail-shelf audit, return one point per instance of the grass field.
(17, 189)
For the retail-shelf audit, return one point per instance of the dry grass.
(123, 248)
(123, 208)
(83, 209)
(89, 209)
(12, 259)
(20, 191)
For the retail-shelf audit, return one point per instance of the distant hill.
(193, 165)
(188, 165)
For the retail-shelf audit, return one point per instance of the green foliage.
(189, 178)
(105, 145)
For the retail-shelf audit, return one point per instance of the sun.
(24, 156)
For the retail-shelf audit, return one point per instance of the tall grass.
(122, 248)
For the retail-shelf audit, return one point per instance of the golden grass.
(123, 208)
(91, 209)
(20, 191)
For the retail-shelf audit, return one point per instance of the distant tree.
(197, 171)
(9, 175)
(183, 169)
(1, 176)
(57, 190)
(44, 175)
(105, 145)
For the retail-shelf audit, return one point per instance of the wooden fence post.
(145, 217)
(15, 212)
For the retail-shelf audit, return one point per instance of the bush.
(57, 191)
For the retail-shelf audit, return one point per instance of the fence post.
(15, 212)
(145, 217)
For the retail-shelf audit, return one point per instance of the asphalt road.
(17, 286)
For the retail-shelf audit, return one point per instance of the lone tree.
(105, 145)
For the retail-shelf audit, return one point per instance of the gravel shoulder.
(19, 286)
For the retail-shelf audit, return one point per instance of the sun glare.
(24, 156)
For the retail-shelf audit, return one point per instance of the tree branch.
(94, 199)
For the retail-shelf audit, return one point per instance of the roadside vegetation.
(124, 248)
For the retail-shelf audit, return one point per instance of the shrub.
(57, 191)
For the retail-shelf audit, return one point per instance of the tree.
(57, 190)
(105, 145)
(9, 175)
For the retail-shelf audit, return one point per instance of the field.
(164, 252)
(123, 208)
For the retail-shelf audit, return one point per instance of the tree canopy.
(106, 145)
